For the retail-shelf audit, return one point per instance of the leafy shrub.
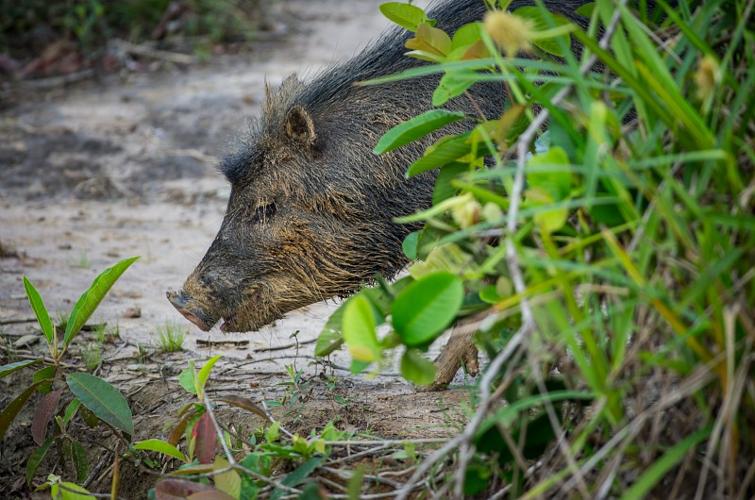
(597, 239)
(89, 22)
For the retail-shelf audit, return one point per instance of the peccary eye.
(263, 212)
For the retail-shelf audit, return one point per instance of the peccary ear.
(300, 127)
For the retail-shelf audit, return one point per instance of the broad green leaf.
(38, 306)
(204, 373)
(466, 35)
(10, 412)
(650, 477)
(331, 336)
(426, 307)
(160, 446)
(586, 9)
(449, 257)
(409, 245)
(416, 368)
(187, 378)
(443, 151)
(70, 491)
(489, 295)
(36, 458)
(450, 86)
(228, 482)
(416, 128)
(405, 15)
(443, 187)
(92, 297)
(359, 330)
(102, 399)
(429, 43)
(556, 182)
(548, 220)
(298, 475)
(44, 374)
(17, 365)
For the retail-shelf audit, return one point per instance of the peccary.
(311, 211)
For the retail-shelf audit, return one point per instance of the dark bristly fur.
(311, 210)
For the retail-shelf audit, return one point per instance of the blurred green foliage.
(28, 26)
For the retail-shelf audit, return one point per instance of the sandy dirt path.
(103, 172)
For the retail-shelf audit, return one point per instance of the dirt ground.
(126, 167)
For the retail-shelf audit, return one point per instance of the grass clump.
(596, 241)
(171, 337)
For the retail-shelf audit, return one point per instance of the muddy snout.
(193, 310)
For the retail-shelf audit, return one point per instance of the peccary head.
(311, 209)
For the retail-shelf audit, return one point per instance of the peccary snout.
(192, 310)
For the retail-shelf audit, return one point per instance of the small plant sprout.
(103, 402)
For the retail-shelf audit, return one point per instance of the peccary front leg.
(459, 351)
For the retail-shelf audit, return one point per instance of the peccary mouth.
(192, 310)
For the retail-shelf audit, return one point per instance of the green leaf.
(359, 330)
(416, 368)
(297, 476)
(204, 373)
(466, 35)
(228, 482)
(160, 446)
(102, 399)
(557, 181)
(451, 85)
(548, 220)
(444, 151)
(36, 458)
(92, 297)
(443, 187)
(426, 307)
(187, 378)
(11, 411)
(655, 472)
(70, 491)
(449, 257)
(331, 336)
(416, 128)
(12, 367)
(586, 10)
(70, 411)
(38, 306)
(80, 461)
(409, 245)
(405, 15)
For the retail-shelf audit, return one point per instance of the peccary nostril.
(191, 310)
